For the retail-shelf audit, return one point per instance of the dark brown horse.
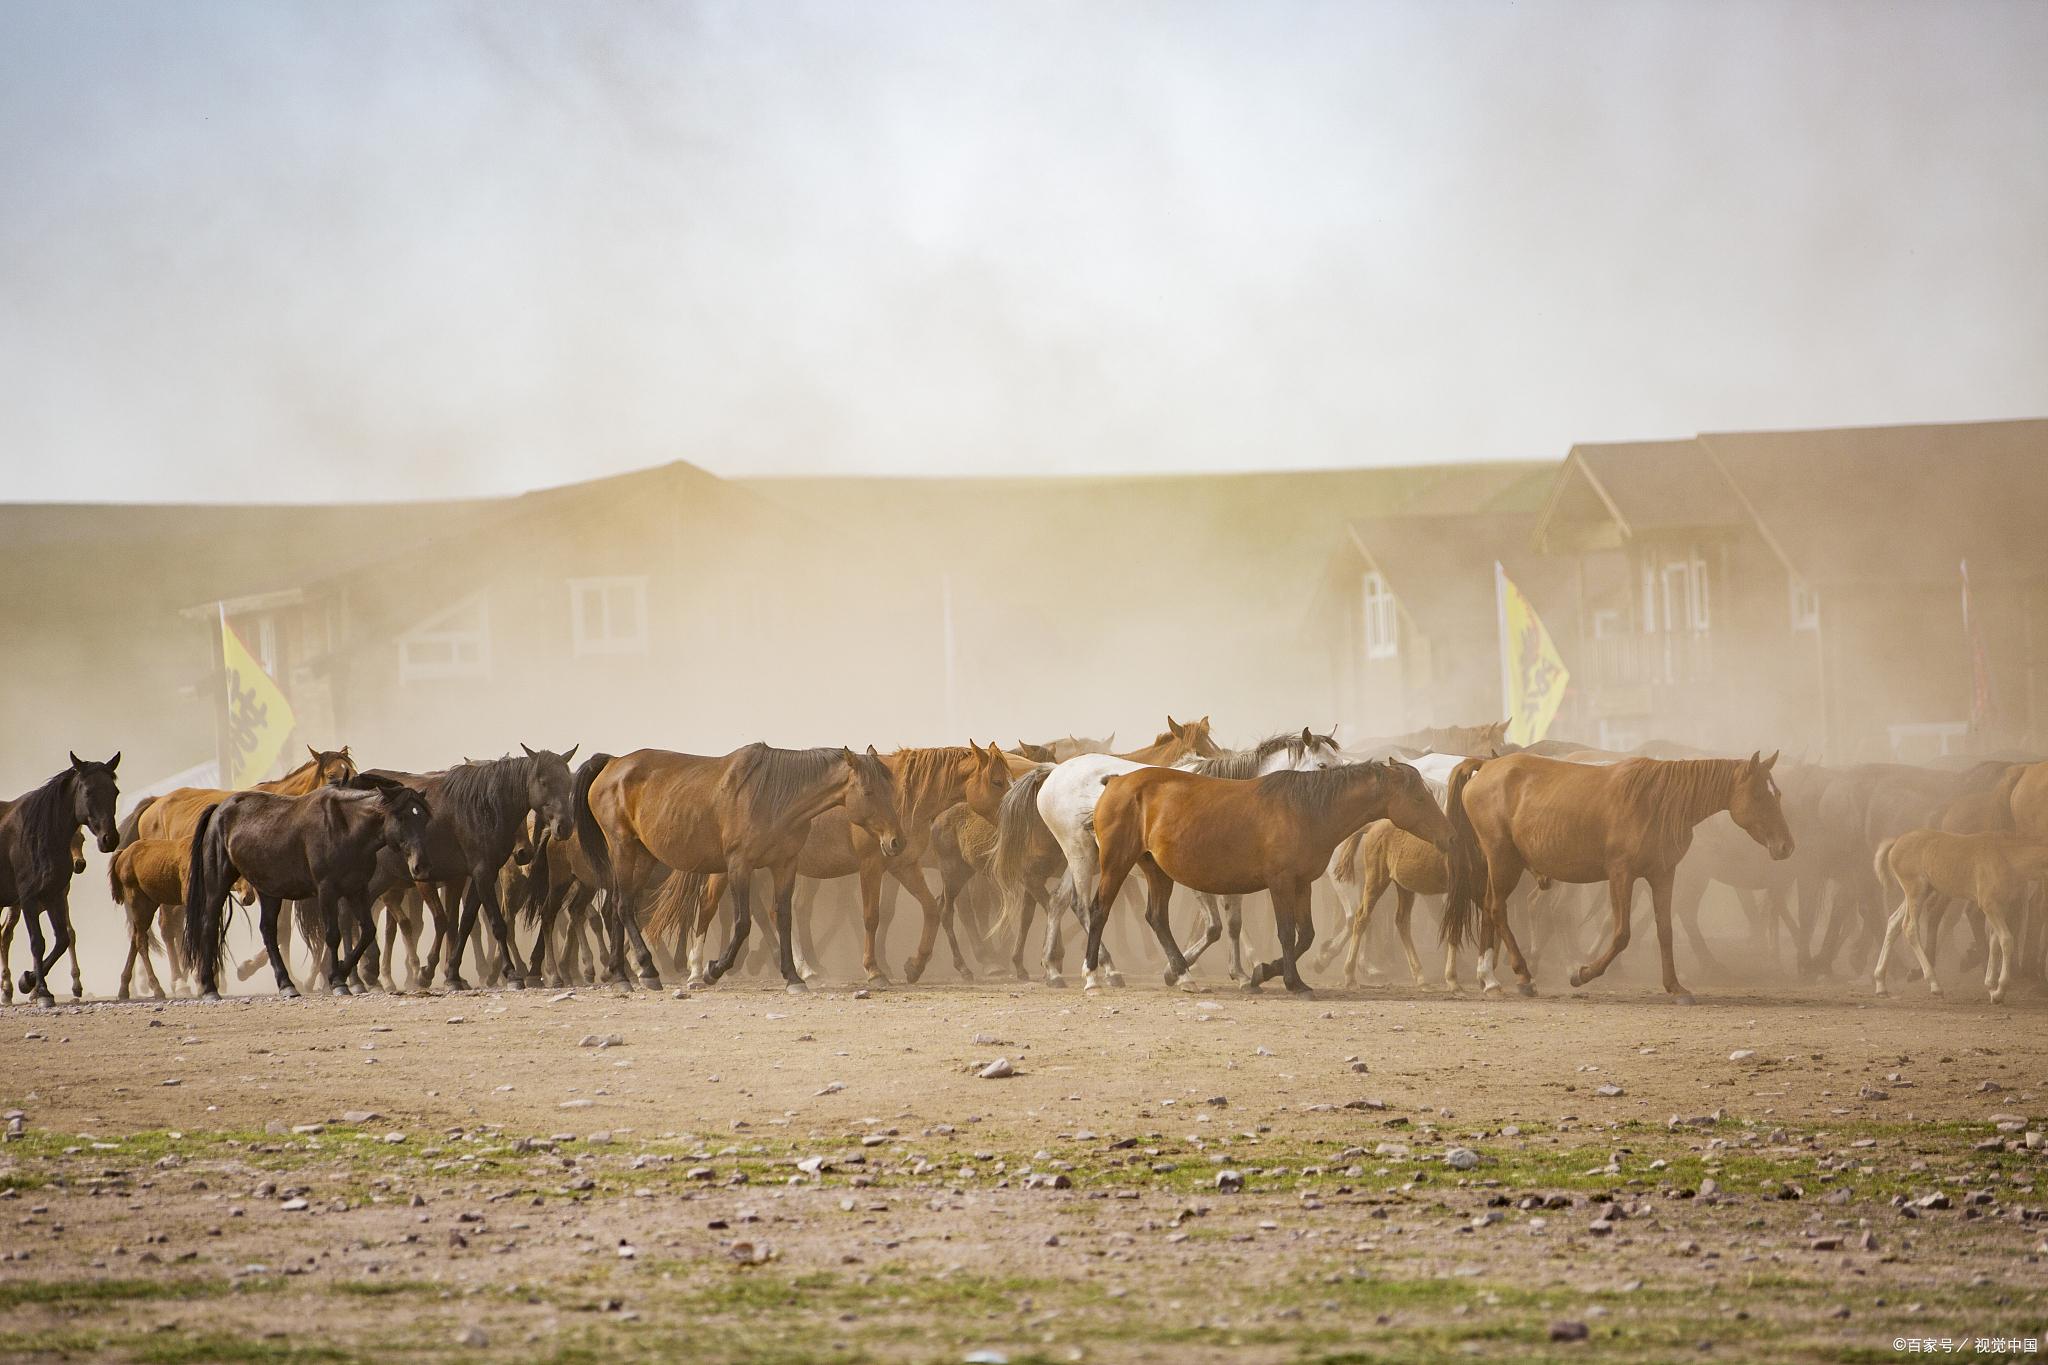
(1579, 822)
(10, 916)
(320, 847)
(749, 810)
(37, 832)
(1232, 837)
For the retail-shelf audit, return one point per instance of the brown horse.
(1175, 743)
(1384, 855)
(1060, 750)
(175, 814)
(751, 809)
(1574, 822)
(1231, 837)
(145, 877)
(1990, 871)
(320, 847)
(928, 783)
(38, 833)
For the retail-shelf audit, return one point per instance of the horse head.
(989, 780)
(1412, 806)
(550, 789)
(871, 800)
(332, 767)
(1756, 804)
(93, 794)
(405, 816)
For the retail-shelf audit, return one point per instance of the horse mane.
(1247, 762)
(485, 794)
(1310, 794)
(46, 825)
(1670, 791)
(766, 780)
(924, 775)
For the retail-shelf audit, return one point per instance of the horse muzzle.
(562, 829)
(1780, 850)
(892, 844)
(108, 840)
(416, 866)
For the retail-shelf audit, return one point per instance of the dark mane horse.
(321, 847)
(36, 865)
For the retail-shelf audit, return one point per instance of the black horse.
(36, 864)
(480, 809)
(320, 847)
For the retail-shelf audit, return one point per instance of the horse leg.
(1891, 935)
(1158, 902)
(1660, 906)
(483, 879)
(32, 983)
(1404, 917)
(949, 907)
(1371, 888)
(1688, 914)
(8, 919)
(1998, 916)
(136, 934)
(801, 909)
(911, 877)
(1297, 931)
(871, 919)
(741, 882)
(148, 920)
(267, 912)
(1503, 933)
(1065, 896)
(1922, 896)
(1212, 933)
(1621, 885)
(785, 892)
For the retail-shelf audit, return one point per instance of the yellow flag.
(259, 718)
(1533, 677)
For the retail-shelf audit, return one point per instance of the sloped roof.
(1441, 567)
(1896, 504)
(1660, 485)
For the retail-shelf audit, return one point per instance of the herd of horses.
(616, 870)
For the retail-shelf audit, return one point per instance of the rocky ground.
(742, 1175)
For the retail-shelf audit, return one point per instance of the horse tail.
(114, 875)
(130, 828)
(1345, 868)
(589, 833)
(675, 900)
(1016, 820)
(1882, 866)
(206, 886)
(1464, 860)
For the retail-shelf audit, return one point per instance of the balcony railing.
(1657, 659)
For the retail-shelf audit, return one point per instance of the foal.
(1991, 871)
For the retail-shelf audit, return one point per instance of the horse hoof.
(1116, 979)
(877, 981)
(1172, 977)
(517, 983)
(78, 992)
(795, 988)
(1683, 999)
(1578, 977)
(651, 983)
(1250, 988)
(340, 990)
(1525, 988)
(214, 996)
(695, 983)
(1056, 982)
(45, 1001)
(1091, 985)
(912, 970)
(1302, 992)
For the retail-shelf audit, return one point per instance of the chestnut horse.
(174, 814)
(751, 809)
(1231, 837)
(1578, 822)
(37, 834)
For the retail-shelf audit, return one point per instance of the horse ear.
(872, 754)
(115, 761)
(344, 751)
(313, 751)
(1173, 726)
(1308, 738)
(523, 745)
(1772, 761)
(571, 755)
(1756, 759)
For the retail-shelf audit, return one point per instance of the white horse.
(1066, 802)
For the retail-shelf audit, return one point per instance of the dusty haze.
(289, 251)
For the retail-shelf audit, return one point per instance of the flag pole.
(1507, 672)
(223, 704)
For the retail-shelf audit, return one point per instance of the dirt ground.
(745, 1175)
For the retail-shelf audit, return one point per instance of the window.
(1675, 595)
(1805, 605)
(455, 644)
(608, 615)
(1382, 629)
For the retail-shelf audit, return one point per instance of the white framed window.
(1805, 605)
(1675, 598)
(1382, 624)
(454, 644)
(608, 615)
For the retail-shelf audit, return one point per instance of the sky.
(399, 248)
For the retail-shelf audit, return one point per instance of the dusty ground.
(188, 1186)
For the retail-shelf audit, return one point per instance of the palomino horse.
(1384, 855)
(751, 809)
(11, 916)
(320, 847)
(37, 833)
(1232, 837)
(1989, 871)
(1577, 822)
(1066, 802)
(1175, 743)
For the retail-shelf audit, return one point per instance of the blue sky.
(310, 251)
